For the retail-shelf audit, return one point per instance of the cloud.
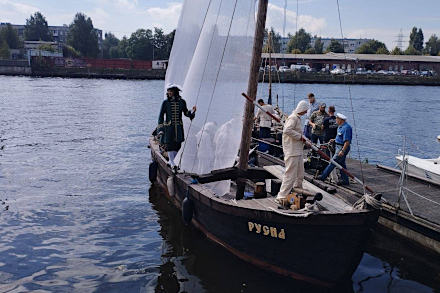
(275, 19)
(15, 12)
(99, 17)
(165, 18)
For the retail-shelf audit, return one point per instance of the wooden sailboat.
(322, 245)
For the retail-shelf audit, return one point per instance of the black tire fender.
(152, 171)
(187, 210)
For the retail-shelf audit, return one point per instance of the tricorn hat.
(174, 86)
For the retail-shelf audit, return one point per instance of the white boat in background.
(424, 168)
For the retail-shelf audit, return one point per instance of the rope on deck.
(367, 199)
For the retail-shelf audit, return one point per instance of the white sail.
(213, 80)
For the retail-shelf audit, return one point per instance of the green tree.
(46, 47)
(4, 50)
(318, 46)
(10, 35)
(140, 45)
(416, 39)
(383, 51)
(69, 51)
(160, 44)
(296, 51)
(412, 51)
(310, 51)
(300, 41)
(36, 28)
(114, 52)
(433, 46)
(123, 48)
(82, 36)
(372, 47)
(396, 51)
(110, 41)
(335, 47)
(170, 40)
(276, 41)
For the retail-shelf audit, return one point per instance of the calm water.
(78, 214)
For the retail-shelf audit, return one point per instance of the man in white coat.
(293, 146)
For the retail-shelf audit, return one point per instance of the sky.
(378, 19)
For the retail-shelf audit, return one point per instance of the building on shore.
(350, 62)
(350, 45)
(58, 33)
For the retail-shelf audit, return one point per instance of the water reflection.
(192, 263)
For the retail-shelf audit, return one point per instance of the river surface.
(78, 214)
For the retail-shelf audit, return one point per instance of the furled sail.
(211, 58)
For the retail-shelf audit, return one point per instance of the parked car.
(337, 71)
(361, 71)
(425, 73)
(284, 69)
(300, 67)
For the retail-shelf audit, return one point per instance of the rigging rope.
(284, 36)
(296, 32)
(216, 79)
(198, 92)
(351, 100)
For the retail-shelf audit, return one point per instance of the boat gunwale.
(228, 206)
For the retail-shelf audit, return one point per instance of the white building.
(350, 45)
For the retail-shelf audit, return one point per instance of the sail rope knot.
(369, 200)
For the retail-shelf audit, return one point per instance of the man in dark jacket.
(330, 125)
(171, 127)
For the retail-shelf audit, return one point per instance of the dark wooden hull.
(324, 248)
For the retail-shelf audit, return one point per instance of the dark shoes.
(341, 183)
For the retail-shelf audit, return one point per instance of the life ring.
(152, 171)
(187, 210)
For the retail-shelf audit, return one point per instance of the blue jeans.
(315, 138)
(307, 131)
(341, 161)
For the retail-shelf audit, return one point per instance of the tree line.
(83, 40)
(300, 42)
(147, 44)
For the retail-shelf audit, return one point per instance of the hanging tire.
(187, 210)
(152, 172)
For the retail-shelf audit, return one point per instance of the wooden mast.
(248, 116)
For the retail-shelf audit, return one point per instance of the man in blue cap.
(342, 142)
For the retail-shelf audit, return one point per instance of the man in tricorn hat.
(342, 141)
(171, 127)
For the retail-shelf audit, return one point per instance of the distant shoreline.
(284, 77)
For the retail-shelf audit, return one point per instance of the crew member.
(171, 127)
(264, 119)
(313, 106)
(342, 141)
(330, 125)
(293, 146)
(316, 123)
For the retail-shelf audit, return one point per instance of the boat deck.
(425, 205)
(330, 202)
(422, 227)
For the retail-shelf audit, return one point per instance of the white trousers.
(293, 175)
